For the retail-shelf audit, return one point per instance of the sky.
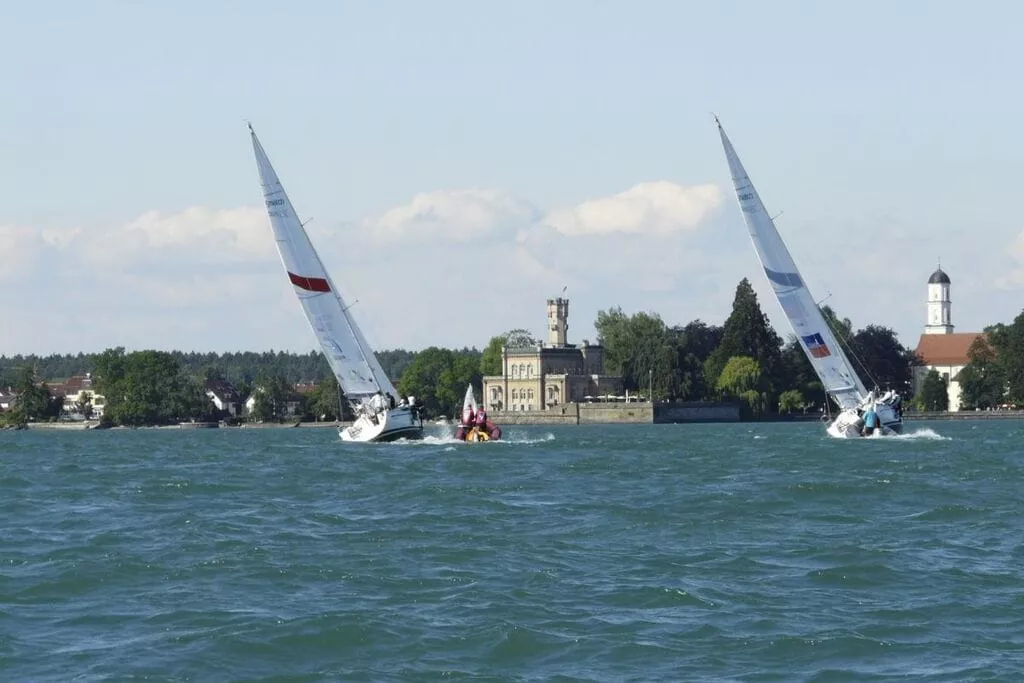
(460, 162)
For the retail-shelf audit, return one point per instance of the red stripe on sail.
(311, 284)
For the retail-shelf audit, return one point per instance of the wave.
(447, 439)
(922, 434)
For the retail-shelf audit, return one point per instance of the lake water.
(742, 552)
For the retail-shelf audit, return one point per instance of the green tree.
(438, 378)
(34, 401)
(1008, 344)
(842, 328)
(881, 360)
(84, 405)
(148, 388)
(933, 393)
(272, 394)
(691, 346)
(741, 378)
(981, 381)
(613, 334)
(797, 374)
(747, 332)
(791, 401)
(641, 349)
(325, 401)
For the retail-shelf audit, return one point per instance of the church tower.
(558, 321)
(939, 318)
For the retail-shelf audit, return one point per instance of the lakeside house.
(224, 397)
(78, 391)
(8, 398)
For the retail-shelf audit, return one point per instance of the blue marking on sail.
(784, 279)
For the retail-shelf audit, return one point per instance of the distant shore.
(92, 424)
(520, 419)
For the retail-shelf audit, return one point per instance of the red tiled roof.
(946, 349)
(304, 387)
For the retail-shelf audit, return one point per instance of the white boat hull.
(849, 423)
(389, 425)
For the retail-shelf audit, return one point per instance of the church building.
(545, 376)
(940, 348)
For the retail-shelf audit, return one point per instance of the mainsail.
(816, 338)
(350, 357)
(468, 403)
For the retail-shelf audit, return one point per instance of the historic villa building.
(939, 347)
(544, 377)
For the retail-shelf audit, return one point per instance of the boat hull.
(389, 425)
(850, 425)
(490, 432)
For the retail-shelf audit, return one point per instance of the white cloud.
(653, 208)
(449, 268)
(23, 249)
(452, 216)
(1013, 277)
(196, 234)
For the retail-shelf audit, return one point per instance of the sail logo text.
(274, 202)
(746, 195)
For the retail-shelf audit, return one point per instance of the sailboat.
(861, 412)
(470, 426)
(379, 416)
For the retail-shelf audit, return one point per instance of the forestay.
(350, 357)
(816, 338)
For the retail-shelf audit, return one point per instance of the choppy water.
(651, 552)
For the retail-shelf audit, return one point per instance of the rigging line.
(846, 340)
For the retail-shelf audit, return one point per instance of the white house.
(940, 348)
(79, 388)
(224, 396)
(7, 398)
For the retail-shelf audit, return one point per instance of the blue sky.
(463, 161)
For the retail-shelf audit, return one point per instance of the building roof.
(946, 349)
(939, 277)
(305, 387)
(72, 385)
(223, 390)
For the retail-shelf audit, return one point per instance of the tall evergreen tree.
(747, 332)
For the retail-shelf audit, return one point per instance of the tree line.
(238, 367)
(743, 359)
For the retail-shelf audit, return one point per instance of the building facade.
(940, 348)
(547, 376)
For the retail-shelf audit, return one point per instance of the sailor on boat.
(870, 419)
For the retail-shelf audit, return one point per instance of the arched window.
(513, 372)
(529, 371)
(522, 370)
(529, 394)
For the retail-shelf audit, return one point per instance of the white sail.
(812, 330)
(468, 403)
(350, 357)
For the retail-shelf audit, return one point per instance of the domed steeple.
(940, 318)
(939, 277)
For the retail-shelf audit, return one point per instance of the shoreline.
(541, 420)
